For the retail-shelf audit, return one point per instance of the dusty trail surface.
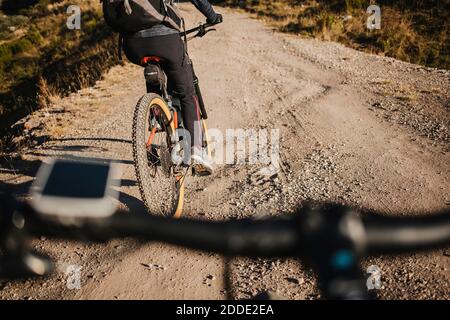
(355, 128)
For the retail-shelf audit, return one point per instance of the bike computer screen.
(76, 189)
(77, 180)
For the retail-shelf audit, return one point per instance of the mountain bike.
(156, 140)
(331, 238)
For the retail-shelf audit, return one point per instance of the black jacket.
(162, 30)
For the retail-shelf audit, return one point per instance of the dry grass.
(46, 95)
(46, 60)
(414, 31)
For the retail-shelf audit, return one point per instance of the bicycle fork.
(198, 92)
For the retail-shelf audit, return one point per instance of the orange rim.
(179, 211)
(175, 119)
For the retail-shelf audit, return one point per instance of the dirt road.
(355, 128)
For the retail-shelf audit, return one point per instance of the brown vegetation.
(40, 57)
(415, 31)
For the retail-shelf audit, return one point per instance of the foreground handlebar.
(266, 238)
(275, 237)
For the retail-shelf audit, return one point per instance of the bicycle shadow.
(134, 205)
(120, 140)
(72, 157)
(65, 151)
(19, 174)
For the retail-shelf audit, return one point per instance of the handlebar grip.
(396, 235)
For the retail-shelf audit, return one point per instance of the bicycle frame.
(156, 79)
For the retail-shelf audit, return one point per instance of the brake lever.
(203, 31)
(209, 30)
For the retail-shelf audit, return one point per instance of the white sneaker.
(201, 162)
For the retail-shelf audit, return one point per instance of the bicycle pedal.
(199, 170)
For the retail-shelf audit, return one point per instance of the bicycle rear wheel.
(161, 186)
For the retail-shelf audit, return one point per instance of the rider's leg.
(179, 72)
(178, 69)
(183, 84)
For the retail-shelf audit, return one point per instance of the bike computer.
(77, 189)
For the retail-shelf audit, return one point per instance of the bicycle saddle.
(147, 60)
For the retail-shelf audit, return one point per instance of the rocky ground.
(354, 128)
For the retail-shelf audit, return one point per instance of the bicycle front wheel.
(161, 187)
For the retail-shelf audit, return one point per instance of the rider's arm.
(205, 7)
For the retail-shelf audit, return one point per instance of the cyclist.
(164, 41)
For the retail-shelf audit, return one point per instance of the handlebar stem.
(332, 240)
